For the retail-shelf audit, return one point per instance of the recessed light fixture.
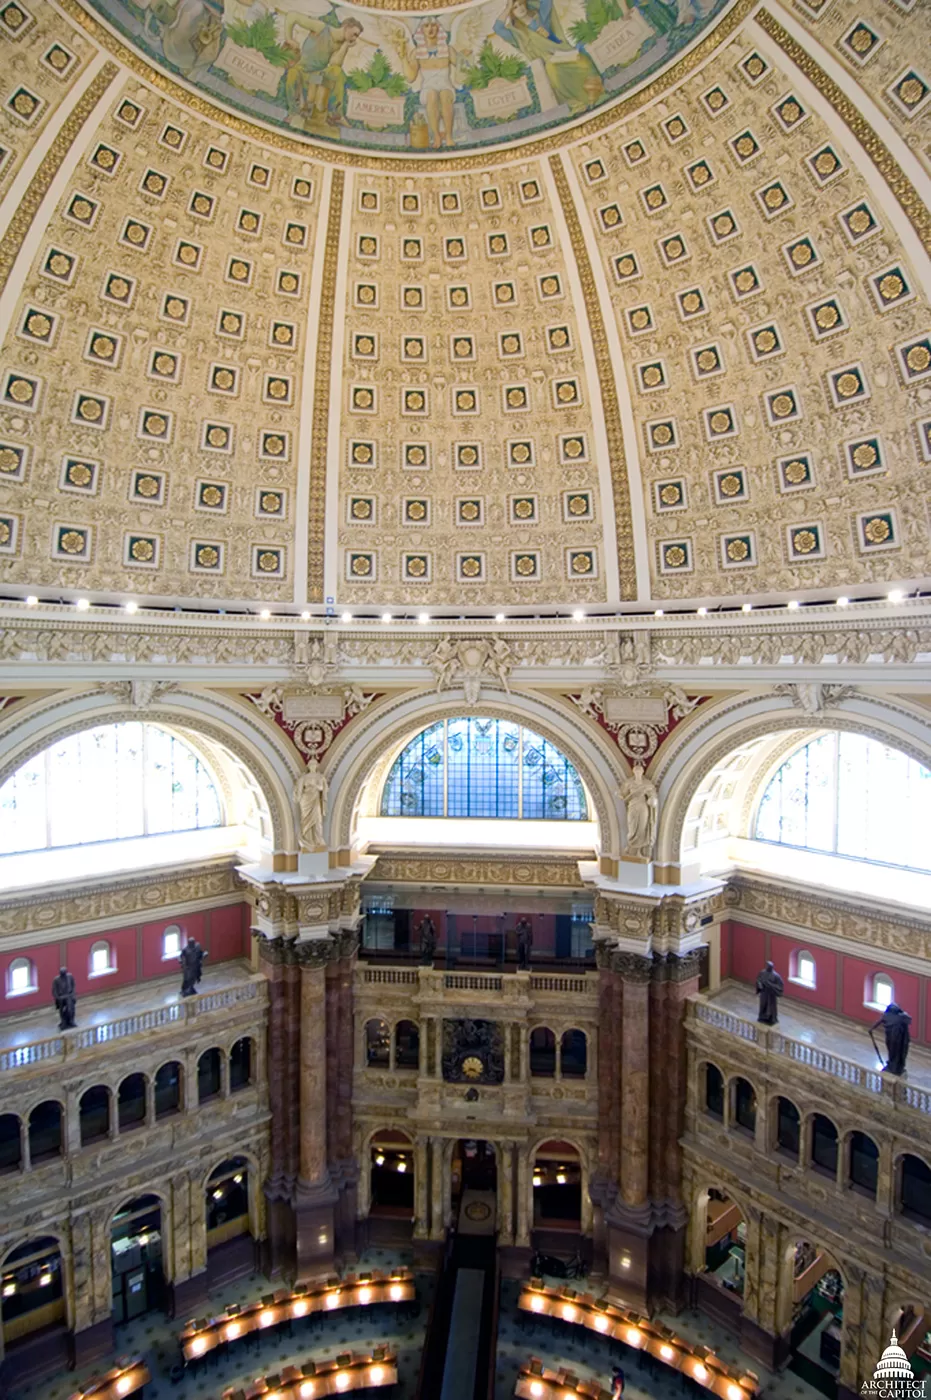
(702, 612)
(32, 600)
(131, 606)
(346, 617)
(83, 604)
(386, 617)
(747, 607)
(423, 617)
(265, 614)
(499, 617)
(305, 616)
(578, 615)
(896, 595)
(658, 613)
(792, 603)
(843, 602)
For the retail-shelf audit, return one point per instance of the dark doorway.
(136, 1258)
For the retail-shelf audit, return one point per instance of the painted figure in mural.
(310, 794)
(431, 58)
(427, 931)
(895, 1023)
(524, 940)
(192, 966)
(769, 987)
(65, 999)
(534, 27)
(639, 796)
(315, 82)
(191, 33)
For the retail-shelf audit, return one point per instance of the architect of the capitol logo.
(893, 1378)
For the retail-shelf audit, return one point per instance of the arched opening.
(816, 1333)
(21, 978)
(168, 1089)
(391, 1167)
(407, 1045)
(573, 1055)
(542, 1053)
(131, 1102)
(879, 991)
(714, 1092)
(474, 1184)
(725, 1242)
(912, 1325)
(863, 1164)
(11, 1143)
(209, 1074)
(32, 1289)
(788, 1125)
(102, 959)
(824, 1145)
(136, 1258)
(94, 1114)
(557, 1189)
(743, 1105)
(229, 1243)
(45, 1132)
(914, 1188)
(377, 1043)
(241, 1071)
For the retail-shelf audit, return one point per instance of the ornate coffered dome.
(669, 345)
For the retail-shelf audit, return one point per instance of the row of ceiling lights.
(895, 595)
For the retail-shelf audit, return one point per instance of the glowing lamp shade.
(365, 1295)
(232, 1330)
(9, 1289)
(308, 1390)
(633, 1336)
(266, 1318)
(199, 1345)
(538, 1181)
(299, 1308)
(123, 1385)
(218, 1195)
(568, 1312)
(377, 1375)
(402, 1166)
(560, 1178)
(380, 1159)
(333, 1300)
(45, 1279)
(396, 1292)
(734, 1392)
(342, 1380)
(699, 1372)
(536, 1388)
(666, 1353)
(601, 1324)
(536, 1303)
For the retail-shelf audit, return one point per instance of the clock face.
(472, 1067)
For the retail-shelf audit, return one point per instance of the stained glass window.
(106, 784)
(478, 767)
(853, 796)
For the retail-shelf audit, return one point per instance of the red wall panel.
(824, 992)
(47, 959)
(748, 951)
(857, 971)
(727, 938)
(122, 944)
(194, 925)
(228, 937)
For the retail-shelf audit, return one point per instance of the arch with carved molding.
(760, 726)
(360, 759)
(235, 741)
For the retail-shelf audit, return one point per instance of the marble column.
(524, 1217)
(315, 1196)
(505, 1202)
(421, 1208)
(437, 1179)
(635, 1080)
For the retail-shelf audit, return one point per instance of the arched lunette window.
(107, 784)
(849, 795)
(483, 767)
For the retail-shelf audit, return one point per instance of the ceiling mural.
(475, 75)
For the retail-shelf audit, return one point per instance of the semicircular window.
(848, 795)
(107, 784)
(476, 767)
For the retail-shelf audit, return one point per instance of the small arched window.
(21, 977)
(171, 943)
(803, 969)
(102, 959)
(880, 990)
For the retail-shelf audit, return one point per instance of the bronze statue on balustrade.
(192, 966)
(769, 986)
(895, 1023)
(65, 999)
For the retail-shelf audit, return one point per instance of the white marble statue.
(639, 796)
(310, 794)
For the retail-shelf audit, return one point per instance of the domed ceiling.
(389, 77)
(679, 352)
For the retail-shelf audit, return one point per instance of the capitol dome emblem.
(893, 1378)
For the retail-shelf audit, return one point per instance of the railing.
(471, 982)
(540, 982)
(391, 975)
(773, 1042)
(136, 1023)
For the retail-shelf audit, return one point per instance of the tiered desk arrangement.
(199, 1338)
(314, 1379)
(618, 1323)
(126, 1378)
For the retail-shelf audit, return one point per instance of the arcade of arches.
(481, 597)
